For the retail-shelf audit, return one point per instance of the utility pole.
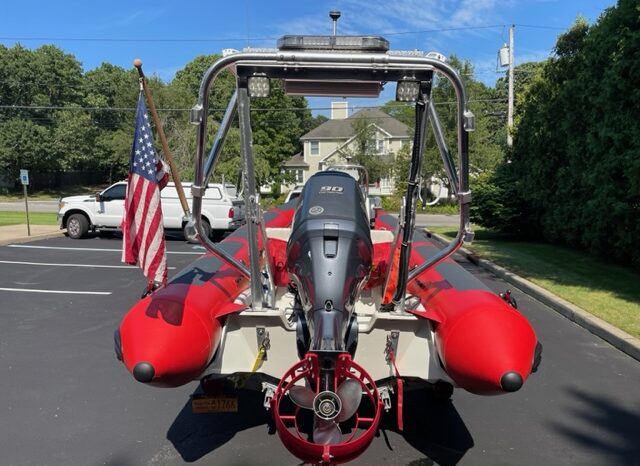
(510, 109)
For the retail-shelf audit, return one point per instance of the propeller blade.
(302, 396)
(326, 432)
(350, 394)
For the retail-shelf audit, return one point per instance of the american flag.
(142, 228)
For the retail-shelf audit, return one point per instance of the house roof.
(340, 129)
(297, 161)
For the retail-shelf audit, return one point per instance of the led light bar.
(258, 86)
(347, 43)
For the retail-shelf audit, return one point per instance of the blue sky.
(169, 34)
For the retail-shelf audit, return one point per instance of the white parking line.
(77, 265)
(26, 290)
(91, 249)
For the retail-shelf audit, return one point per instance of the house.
(329, 143)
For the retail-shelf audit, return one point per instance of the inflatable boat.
(332, 303)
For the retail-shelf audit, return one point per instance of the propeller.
(330, 408)
(350, 393)
(326, 432)
(302, 396)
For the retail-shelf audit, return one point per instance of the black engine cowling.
(329, 255)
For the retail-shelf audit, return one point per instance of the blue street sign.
(24, 177)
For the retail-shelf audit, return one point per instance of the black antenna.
(334, 15)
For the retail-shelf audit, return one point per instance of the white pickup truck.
(222, 210)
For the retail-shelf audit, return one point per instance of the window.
(231, 190)
(314, 147)
(116, 192)
(298, 175)
(379, 145)
(294, 195)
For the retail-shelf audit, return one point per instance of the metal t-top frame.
(348, 67)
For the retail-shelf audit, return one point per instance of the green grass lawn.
(35, 218)
(446, 209)
(606, 290)
(443, 209)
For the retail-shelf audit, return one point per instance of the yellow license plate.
(214, 405)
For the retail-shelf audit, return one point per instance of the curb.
(622, 340)
(28, 239)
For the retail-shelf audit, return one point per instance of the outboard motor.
(328, 260)
(329, 256)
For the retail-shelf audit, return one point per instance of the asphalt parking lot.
(66, 400)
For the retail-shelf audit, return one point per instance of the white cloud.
(473, 13)
(419, 24)
(400, 15)
(130, 18)
(139, 17)
(380, 16)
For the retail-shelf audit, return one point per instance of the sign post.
(24, 179)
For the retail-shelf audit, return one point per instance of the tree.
(278, 120)
(113, 150)
(308, 124)
(401, 111)
(485, 148)
(72, 141)
(15, 76)
(231, 163)
(45, 138)
(525, 75)
(189, 79)
(110, 86)
(45, 77)
(57, 77)
(400, 169)
(362, 149)
(575, 146)
(25, 144)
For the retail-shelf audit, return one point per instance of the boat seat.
(381, 236)
(377, 236)
(278, 233)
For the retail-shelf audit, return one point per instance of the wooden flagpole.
(163, 140)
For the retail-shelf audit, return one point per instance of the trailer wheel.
(206, 226)
(77, 226)
(190, 234)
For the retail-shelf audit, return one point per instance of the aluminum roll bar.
(328, 66)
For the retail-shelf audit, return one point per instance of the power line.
(539, 26)
(462, 28)
(97, 109)
(241, 39)
(24, 84)
(257, 109)
(115, 39)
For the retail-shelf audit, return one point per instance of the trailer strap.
(259, 358)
